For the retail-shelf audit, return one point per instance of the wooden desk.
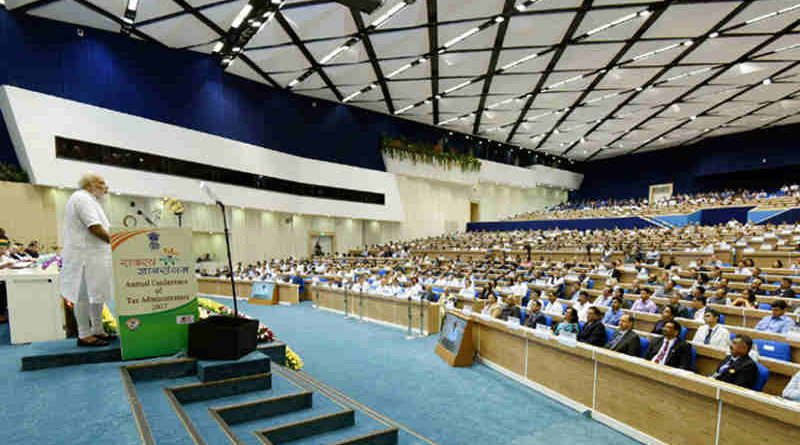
(382, 309)
(287, 293)
(35, 307)
(674, 407)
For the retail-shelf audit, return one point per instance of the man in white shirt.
(468, 291)
(582, 306)
(712, 333)
(553, 305)
(86, 259)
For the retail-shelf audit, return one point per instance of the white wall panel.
(35, 119)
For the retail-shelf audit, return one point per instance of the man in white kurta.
(86, 259)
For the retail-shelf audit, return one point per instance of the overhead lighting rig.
(247, 23)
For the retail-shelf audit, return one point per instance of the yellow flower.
(109, 321)
(293, 361)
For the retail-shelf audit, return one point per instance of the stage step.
(55, 354)
(260, 409)
(307, 428)
(276, 351)
(388, 436)
(252, 363)
(162, 369)
(195, 392)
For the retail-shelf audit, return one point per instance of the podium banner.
(155, 290)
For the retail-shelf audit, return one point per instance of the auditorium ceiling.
(582, 79)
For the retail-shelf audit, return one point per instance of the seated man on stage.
(738, 368)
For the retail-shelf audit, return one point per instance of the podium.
(155, 290)
(455, 344)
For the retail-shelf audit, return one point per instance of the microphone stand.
(230, 261)
(204, 186)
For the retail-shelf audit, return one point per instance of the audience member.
(778, 322)
(712, 333)
(670, 350)
(535, 316)
(570, 323)
(625, 341)
(644, 303)
(738, 368)
(614, 313)
(593, 331)
(667, 315)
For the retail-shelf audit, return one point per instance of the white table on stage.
(35, 310)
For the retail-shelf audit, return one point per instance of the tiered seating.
(786, 197)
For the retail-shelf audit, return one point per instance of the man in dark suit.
(625, 341)
(738, 368)
(671, 350)
(593, 331)
(535, 315)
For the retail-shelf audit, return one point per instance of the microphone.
(213, 196)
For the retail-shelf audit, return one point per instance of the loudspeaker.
(222, 338)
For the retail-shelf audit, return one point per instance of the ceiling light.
(693, 118)
(351, 96)
(380, 21)
(422, 60)
(617, 22)
(399, 70)
(237, 49)
(460, 37)
(499, 19)
(772, 14)
(766, 81)
(242, 15)
(522, 60)
(689, 42)
(713, 35)
(218, 47)
(457, 87)
(404, 109)
(256, 24)
(293, 83)
(333, 54)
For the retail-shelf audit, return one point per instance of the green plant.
(415, 152)
(12, 173)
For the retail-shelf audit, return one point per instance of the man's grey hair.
(88, 178)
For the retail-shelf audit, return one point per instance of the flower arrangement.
(403, 149)
(109, 321)
(174, 206)
(46, 262)
(293, 361)
(208, 308)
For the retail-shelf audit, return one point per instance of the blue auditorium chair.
(609, 333)
(644, 344)
(765, 306)
(773, 349)
(523, 314)
(548, 320)
(693, 364)
(721, 318)
(437, 290)
(682, 335)
(763, 376)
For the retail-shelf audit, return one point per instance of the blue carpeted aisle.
(76, 405)
(405, 380)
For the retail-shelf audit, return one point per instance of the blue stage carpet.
(375, 365)
(407, 382)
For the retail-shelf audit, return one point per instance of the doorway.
(322, 242)
(474, 212)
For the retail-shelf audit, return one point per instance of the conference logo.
(154, 238)
(133, 323)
